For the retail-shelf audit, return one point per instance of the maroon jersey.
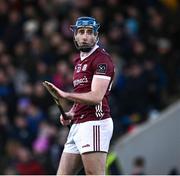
(99, 63)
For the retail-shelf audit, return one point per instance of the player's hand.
(53, 90)
(70, 115)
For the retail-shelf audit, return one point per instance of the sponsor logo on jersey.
(101, 69)
(83, 80)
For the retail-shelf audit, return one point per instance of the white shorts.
(89, 136)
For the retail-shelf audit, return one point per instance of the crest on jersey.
(101, 68)
(78, 68)
(84, 67)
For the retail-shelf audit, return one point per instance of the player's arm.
(99, 87)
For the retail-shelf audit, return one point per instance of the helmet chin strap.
(84, 48)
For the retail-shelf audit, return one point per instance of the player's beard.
(84, 47)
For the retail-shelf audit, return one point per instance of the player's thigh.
(94, 136)
(70, 164)
(94, 163)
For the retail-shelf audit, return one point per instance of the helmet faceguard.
(85, 22)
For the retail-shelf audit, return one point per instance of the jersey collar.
(84, 55)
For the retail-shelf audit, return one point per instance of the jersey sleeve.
(103, 66)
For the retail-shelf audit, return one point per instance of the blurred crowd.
(36, 45)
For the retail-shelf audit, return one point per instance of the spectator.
(26, 164)
(138, 166)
